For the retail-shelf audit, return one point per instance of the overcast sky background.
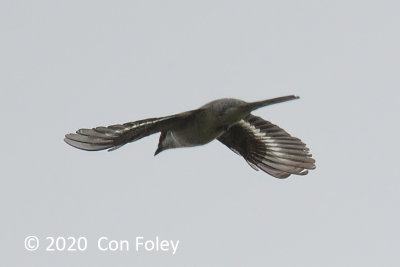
(70, 64)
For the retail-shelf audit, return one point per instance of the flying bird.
(262, 144)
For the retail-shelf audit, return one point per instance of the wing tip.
(83, 146)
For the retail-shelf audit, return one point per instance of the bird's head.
(163, 143)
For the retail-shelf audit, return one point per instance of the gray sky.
(73, 64)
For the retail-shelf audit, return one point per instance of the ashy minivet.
(262, 144)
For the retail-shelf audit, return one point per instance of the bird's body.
(207, 123)
(263, 145)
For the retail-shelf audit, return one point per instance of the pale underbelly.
(193, 137)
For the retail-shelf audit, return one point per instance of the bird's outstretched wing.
(267, 147)
(115, 136)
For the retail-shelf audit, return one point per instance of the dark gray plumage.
(262, 144)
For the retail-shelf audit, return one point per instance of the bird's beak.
(157, 151)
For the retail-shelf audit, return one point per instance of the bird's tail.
(113, 136)
(255, 105)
